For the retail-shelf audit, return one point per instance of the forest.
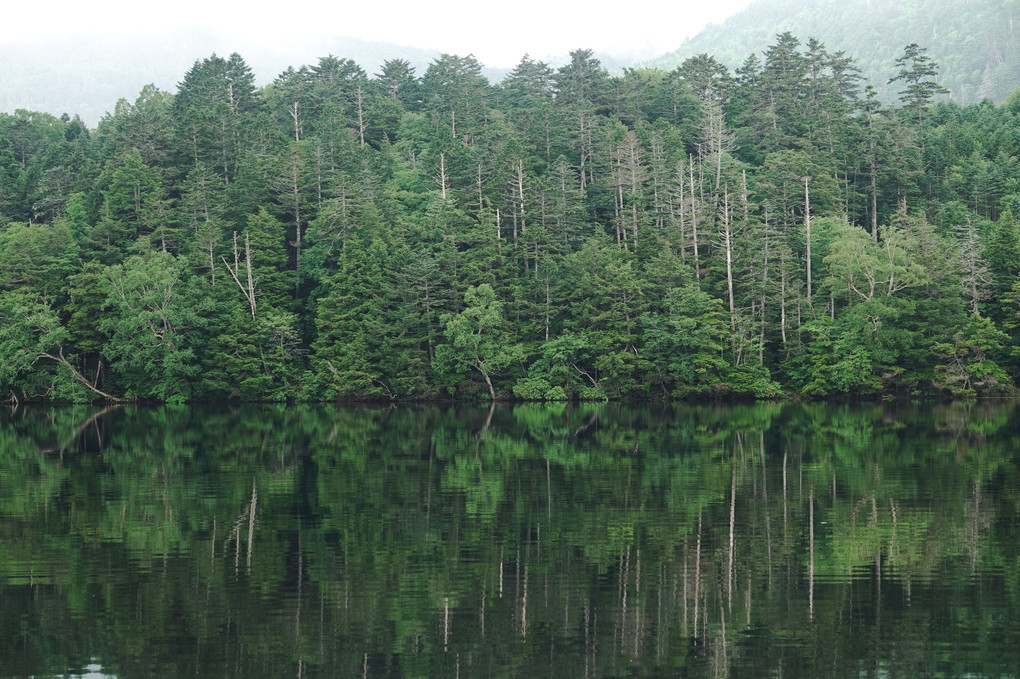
(566, 233)
(972, 40)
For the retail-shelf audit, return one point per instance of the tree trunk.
(807, 234)
(488, 380)
(694, 221)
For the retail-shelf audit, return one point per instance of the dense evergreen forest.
(565, 233)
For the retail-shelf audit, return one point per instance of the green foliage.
(969, 366)
(538, 389)
(477, 340)
(28, 328)
(157, 315)
(39, 258)
(758, 530)
(687, 342)
(566, 234)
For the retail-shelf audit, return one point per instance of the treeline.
(562, 234)
(972, 68)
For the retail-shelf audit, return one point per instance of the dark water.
(793, 540)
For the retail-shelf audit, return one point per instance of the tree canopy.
(565, 233)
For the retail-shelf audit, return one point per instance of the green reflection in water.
(596, 540)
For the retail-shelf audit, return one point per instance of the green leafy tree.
(157, 313)
(32, 353)
(477, 340)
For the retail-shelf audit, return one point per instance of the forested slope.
(974, 41)
(565, 233)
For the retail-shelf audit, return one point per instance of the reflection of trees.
(596, 538)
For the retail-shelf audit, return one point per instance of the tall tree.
(919, 75)
(214, 103)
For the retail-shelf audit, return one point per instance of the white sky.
(497, 32)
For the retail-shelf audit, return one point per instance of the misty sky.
(497, 33)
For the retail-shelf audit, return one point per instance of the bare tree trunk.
(683, 225)
(782, 296)
(361, 117)
(478, 186)
(297, 121)
(488, 380)
(694, 221)
(442, 174)
(295, 188)
(807, 233)
(727, 241)
(59, 358)
(547, 307)
(248, 290)
(520, 191)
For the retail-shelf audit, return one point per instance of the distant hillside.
(87, 74)
(975, 42)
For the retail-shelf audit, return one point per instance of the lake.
(591, 540)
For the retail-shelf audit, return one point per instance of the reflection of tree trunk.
(811, 558)
(878, 612)
(587, 425)
(785, 526)
(658, 612)
(638, 618)
(297, 613)
(588, 646)
(251, 521)
(446, 624)
(719, 656)
(621, 593)
(697, 576)
(548, 492)
(488, 422)
(765, 509)
(747, 599)
(729, 559)
(973, 529)
(684, 628)
(92, 420)
(524, 604)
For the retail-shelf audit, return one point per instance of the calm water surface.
(778, 540)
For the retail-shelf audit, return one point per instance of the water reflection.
(595, 540)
